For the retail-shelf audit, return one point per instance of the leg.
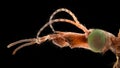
(75, 22)
(117, 63)
(80, 26)
(27, 42)
(73, 16)
(53, 21)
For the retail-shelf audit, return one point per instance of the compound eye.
(97, 40)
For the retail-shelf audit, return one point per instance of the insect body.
(96, 40)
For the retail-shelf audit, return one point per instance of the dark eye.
(97, 40)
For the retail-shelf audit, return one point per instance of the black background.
(21, 20)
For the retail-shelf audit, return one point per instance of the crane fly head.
(97, 40)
